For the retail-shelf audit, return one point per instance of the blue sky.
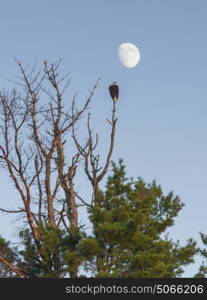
(162, 127)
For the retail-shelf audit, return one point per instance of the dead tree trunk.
(36, 128)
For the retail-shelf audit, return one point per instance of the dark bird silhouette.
(114, 91)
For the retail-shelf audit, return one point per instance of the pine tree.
(202, 273)
(129, 220)
(59, 256)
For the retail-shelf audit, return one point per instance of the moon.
(128, 54)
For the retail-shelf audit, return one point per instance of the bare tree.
(38, 132)
(94, 171)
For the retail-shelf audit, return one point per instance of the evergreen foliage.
(9, 253)
(129, 220)
(202, 273)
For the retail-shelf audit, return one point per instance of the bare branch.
(11, 267)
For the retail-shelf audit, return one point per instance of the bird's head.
(114, 82)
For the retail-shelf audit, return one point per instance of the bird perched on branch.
(114, 91)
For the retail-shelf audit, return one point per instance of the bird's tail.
(115, 99)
